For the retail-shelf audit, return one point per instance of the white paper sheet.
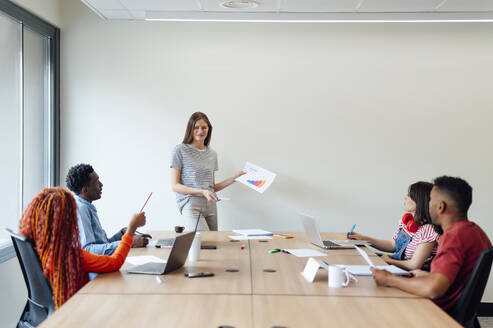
(241, 237)
(365, 256)
(253, 232)
(364, 270)
(257, 178)
(305, 252)
(138, 260)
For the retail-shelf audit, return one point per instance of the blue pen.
(352, 229)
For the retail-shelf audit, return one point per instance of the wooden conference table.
(249, 297)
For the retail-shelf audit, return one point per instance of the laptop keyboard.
(329, 243)
(167, 242)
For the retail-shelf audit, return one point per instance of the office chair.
(40, 296)
(466, 308)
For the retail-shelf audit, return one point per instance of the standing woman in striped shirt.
(414, 243)
(193, 164)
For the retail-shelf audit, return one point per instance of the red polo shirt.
(458, 250)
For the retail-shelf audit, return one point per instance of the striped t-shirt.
(425, 234)
(197, 169)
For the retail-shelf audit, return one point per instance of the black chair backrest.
(40, 296)
(466, 308)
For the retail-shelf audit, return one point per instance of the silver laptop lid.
(311, 229)
(176, 258)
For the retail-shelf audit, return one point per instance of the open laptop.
(313, 235)
(176, 258)
(165, 243)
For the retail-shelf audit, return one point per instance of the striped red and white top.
(425, 234)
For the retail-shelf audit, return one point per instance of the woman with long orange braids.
(50, 220)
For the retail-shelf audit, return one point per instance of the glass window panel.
(36, 111)
(10, 147)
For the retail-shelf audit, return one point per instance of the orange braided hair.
(50, 220)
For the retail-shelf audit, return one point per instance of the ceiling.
(295, 10)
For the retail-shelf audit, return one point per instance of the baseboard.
(485, 310)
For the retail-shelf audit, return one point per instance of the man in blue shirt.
(86, 186)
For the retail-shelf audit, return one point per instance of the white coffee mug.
(338, 276)
(194, 253)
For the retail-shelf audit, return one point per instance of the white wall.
(347, 115)
(48, 10)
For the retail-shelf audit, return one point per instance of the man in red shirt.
(458, 248)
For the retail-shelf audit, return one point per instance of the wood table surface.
(287, 278)
(117, 311)
(227, 256)
(337, 311)
(250, 297)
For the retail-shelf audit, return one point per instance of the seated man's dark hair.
(458, 189)
(78, 177)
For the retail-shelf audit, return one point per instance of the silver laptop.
(165, 243)
(313, 235)
(176, 258)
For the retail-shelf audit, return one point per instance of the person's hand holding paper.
(380, 276)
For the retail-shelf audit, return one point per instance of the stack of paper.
(242, 237)
(253, 232)
(364, 270)
(304, 252)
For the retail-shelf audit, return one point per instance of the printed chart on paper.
(257, 178)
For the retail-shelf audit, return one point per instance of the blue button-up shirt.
(92, 236)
